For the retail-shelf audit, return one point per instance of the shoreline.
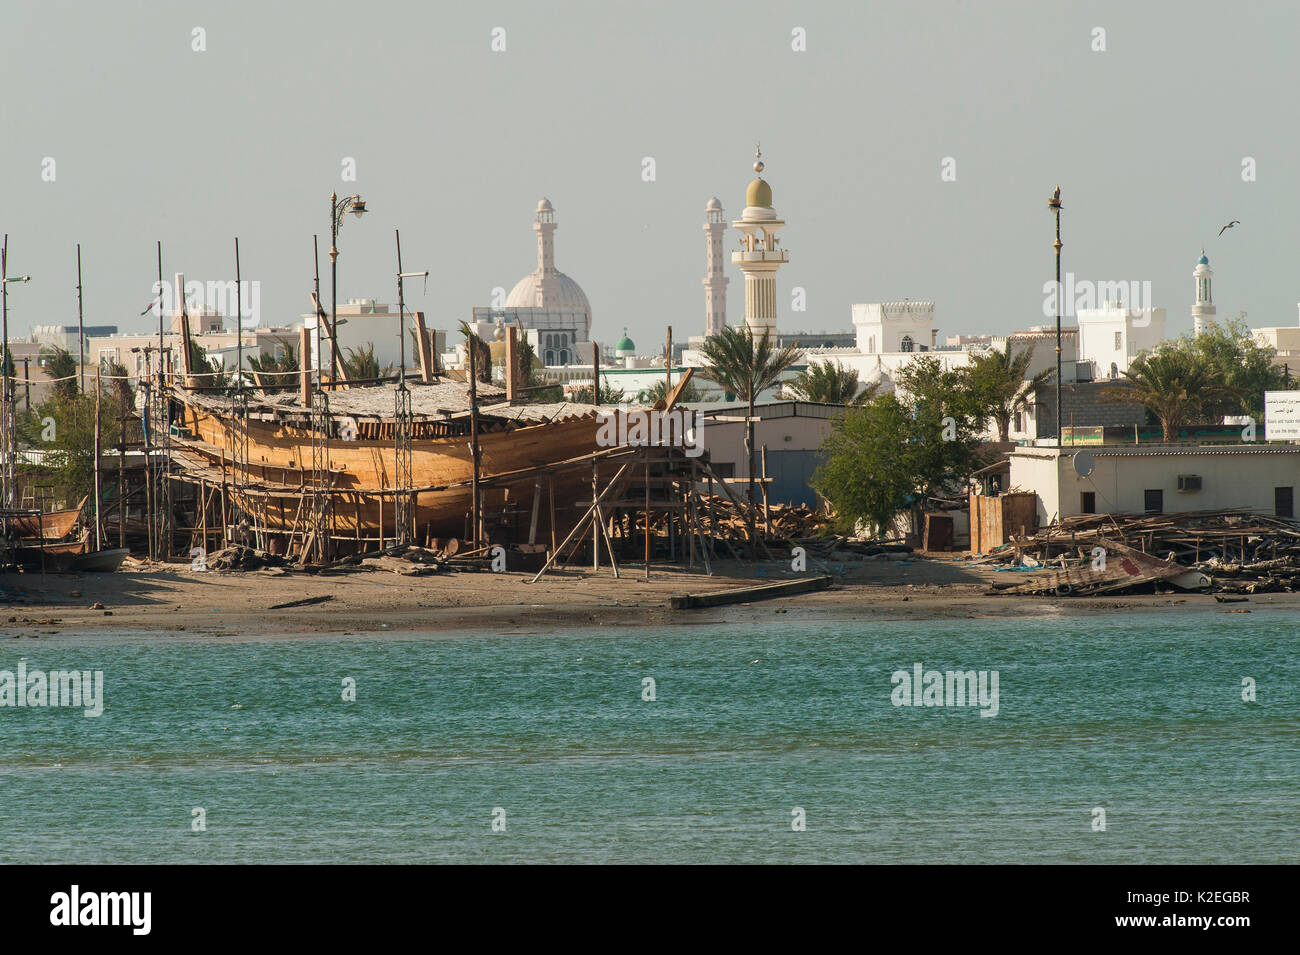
(176, 600)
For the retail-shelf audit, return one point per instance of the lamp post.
(338, 209)
(1054, 204)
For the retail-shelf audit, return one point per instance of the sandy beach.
(175, 599)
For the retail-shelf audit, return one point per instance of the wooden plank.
(737, 595)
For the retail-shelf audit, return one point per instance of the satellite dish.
(1083, 463)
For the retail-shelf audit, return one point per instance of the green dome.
(625, 343)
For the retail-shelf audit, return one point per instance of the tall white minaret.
(760, 254)
(1203, 310)
(544, 225)
(715, 283)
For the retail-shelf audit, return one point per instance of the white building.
(1110, 337)
(1160, 479)
(894, 327)
(363, 322)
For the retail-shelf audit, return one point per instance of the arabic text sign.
(1282, 415)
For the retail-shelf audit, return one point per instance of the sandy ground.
(175, 599)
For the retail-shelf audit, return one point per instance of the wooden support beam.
(512, 365)
(304, 367)
(424, 349)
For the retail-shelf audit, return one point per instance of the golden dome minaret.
(760, 253)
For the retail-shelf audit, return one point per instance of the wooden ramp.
(741, 595)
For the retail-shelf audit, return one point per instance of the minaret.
(715, 283)
(760, 255)
(1203, 310)
(549, 286)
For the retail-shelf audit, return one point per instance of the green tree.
(888, 455)
(746, 367)
(829, 382)
(482, 354)
(119, 384)
(1245, 365)
(210, 372)
(609, 395)
(64, 427)
(1177, 385)
(659, 392)
(530, 376)
(360, 364)
(62, 367)
(999, 385)
(276, 367)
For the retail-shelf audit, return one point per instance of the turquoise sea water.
(1137, 713)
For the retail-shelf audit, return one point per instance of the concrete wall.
(1083, 401)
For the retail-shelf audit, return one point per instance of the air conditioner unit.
(1189, 482)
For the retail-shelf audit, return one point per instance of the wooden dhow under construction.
(338, 478)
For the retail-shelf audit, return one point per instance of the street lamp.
(338, 209)
(1054, 204)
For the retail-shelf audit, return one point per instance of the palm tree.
(210, 372)
(830, 383)
(62, 367)
(276, 367)
(999, 383)
(1175, 385)
(659, 392)
(362, 365)
(482, 354)
(609, 394)
(120, 385)
(745, 366)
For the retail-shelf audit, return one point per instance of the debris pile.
(1225, 551)
(725, 520)
(240, 557)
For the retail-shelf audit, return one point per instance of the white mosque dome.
(526, 291)
(714, 205)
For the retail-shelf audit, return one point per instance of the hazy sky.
(455, 143)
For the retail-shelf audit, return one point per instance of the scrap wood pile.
(724, 519)
(412, 560)
(838, 547)
(1228, 551)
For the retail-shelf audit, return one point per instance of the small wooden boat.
(100, 561)
(51, 526)
(1123, 567)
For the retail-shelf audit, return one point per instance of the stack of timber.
(1228, 551)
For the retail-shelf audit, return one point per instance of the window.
(1283, 505)
(1088, 502)
(1119, 340)
(724, 470)
(906, 344)
(1153, 502)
